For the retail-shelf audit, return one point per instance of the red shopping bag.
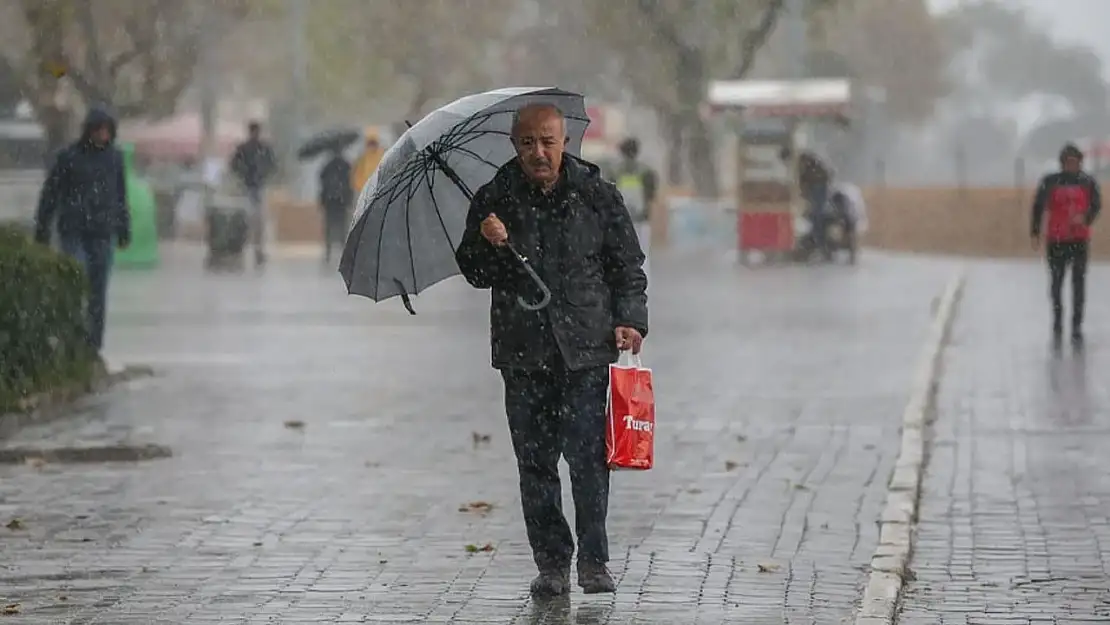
(630, 435)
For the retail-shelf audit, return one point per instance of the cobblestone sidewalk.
(323, 448)
(1015, 515)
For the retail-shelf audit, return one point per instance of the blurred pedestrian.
(1069, 200)
(368, 161)
(254, 164)
(336, 198)
(638, 185)
(86, 194)
(572, 225)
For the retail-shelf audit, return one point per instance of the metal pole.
(795, 29)
(298, 19)
(209, 101)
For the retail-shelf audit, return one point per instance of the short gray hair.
(537, 106)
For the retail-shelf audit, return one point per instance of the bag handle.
(628, 359)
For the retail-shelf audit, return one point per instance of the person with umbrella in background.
(578, 234)
(336, 194)
(367, 161)
(254, 163)
(1071, 200)
(336, 199)
(85, 192)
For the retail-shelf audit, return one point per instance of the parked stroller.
(228, 228)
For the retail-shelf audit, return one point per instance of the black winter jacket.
(85, 189)
(581, 241)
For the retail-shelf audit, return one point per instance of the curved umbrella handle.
(546, 298)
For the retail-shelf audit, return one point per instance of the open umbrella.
(337, 139)
(411, 213)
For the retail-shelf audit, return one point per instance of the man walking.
(336, 197)
(573, 227)
(86, 195)
(638, 186)
(1071, 200)
(254, 163)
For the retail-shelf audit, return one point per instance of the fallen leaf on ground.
(478, 438)
(741, 438)
(694, 491)
(294, 424)
(372, 464)
(10, 609)
(801, 487)
(476, 549)
(481, 507)
(767, 567)
(35, 462)
(15, 524)
(731, 464)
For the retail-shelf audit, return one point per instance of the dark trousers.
(335, 230)
(95, 256)
(1061, 256)
(555, 412)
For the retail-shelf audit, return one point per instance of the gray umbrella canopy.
(410, 215)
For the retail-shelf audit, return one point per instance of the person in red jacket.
(1067, 203)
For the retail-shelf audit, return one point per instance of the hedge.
(42, 336)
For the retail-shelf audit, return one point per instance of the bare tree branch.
(661, 24)
(755, 38)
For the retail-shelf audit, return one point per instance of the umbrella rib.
(408, 238)
(476, 156)
(412, 172)
(428, 180)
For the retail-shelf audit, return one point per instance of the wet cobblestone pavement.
(780, 393)
(1015, 516)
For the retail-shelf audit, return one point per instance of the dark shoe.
(1077, 336)
(551, 583)
(595, 579)
(1057, 329)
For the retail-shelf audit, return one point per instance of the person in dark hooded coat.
(85, 198)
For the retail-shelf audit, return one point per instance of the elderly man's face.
(1072, 164)
(540, 138)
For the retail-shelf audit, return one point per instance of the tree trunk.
(55, 123)
(672, 130)
(702, 159)
(692, 79)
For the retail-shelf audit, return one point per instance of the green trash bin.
(143, 251)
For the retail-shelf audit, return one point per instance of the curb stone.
(51, 404)
(892, 556)
(84, 455)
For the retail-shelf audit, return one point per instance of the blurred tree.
(1004, 56)
(133, 56)
(669, 50)
(896, 45)
(415, 52)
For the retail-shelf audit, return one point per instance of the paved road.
(780, 392)
(1015, 516)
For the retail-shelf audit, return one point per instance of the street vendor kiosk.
(772, 119)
